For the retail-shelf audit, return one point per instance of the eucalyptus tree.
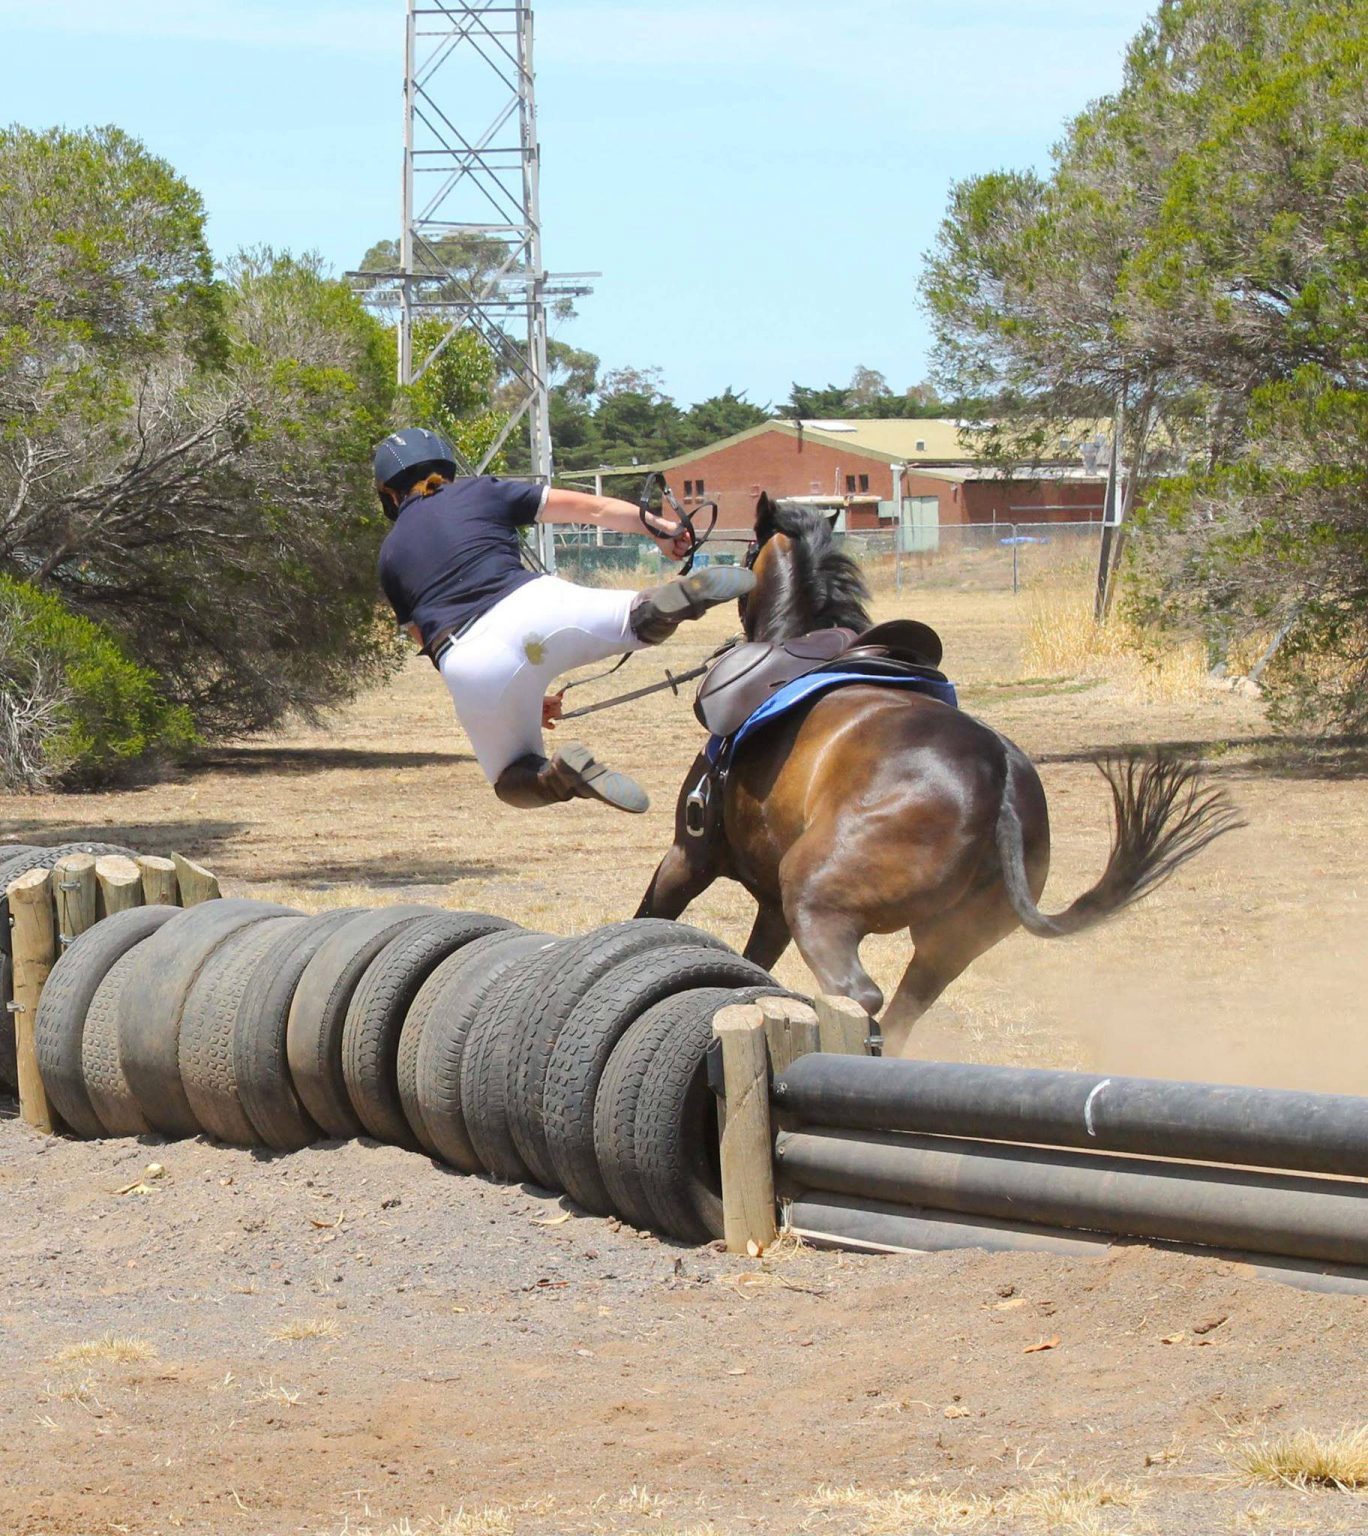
(1197, 254)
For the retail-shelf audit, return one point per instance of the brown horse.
(875, 809)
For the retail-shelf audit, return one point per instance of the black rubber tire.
(107, 1088)
(149, 1018)
(313, 1036)
(66, 1000)
(208, 1023)
(442, 1046)
(375, 1015)
(429, 1000)
(675, 1141)
(484, 1075)
(586, 1042)
(487, 1064)
(260, 1067)
(17, 859)
(579, 965)
(619, 1093)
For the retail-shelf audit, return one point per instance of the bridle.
(655, 493)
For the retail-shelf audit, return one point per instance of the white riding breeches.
(499, 671)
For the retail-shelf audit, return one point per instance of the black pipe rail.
(843, 1221)
(1205, 1122)
(1321, 1219)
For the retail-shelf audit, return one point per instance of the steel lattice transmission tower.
(471, 173)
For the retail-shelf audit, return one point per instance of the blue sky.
(756, 183)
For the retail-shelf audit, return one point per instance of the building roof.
(932, 441)
(958, 474)
(893, 441)
(899, 439)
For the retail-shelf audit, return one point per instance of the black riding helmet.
(407, 456)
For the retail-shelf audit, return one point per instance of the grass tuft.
(1309, 1460)
(493, 1520)
(639, 1501)
(1054, 1507)
(306, 1328)
(107, 1349)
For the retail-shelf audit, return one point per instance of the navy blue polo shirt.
(452, 555)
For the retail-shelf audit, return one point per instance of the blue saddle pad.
(803, 690)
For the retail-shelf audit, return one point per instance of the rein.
(671, 680)
(654, 493)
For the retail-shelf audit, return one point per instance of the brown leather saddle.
(745, 676)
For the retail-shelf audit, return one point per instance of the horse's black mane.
(819, 587)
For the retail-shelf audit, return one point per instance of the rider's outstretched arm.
(563, 506)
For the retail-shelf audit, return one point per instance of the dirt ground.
(474, 1358)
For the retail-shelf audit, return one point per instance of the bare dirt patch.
(496, 1373)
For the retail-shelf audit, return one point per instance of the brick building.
(855, 466)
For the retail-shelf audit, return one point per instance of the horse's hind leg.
(829, 942)
(679, 878)
(769, 937)
(944, 948)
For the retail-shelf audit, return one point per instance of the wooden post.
(158, 881)
(747, 1140)
(35, 952)
(119, 882)
(195, 882)
(791, 1028)
(791, 1031)
(842, 1024)
(76, 895)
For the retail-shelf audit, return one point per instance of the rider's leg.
(572, 774)
(659, 611)
(499, 672)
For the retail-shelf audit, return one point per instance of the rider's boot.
(659, 611)
(572, 774)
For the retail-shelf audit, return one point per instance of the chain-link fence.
(626, 559)
(983, 557)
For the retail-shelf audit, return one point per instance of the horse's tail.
(1164, 814)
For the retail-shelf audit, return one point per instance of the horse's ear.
(765, 510)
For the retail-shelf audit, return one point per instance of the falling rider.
(500, 634)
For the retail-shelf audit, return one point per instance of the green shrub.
(74, 708)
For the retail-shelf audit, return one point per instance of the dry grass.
(1063, 640)
(306, 1328)
(615, 578)
(270, 1392)
(1063, 1506)
(493, 1520)
(1306, 1459)
(640, 1501)
(108, 1349)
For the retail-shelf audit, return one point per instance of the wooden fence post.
(34, 943)
(195, 882)
(842, 1025)
(76, 896)
(158, 881)
(747, 1140)
(791, 1029)
(119, 882)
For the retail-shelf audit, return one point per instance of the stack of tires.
(578, 1063)
(17, 859)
